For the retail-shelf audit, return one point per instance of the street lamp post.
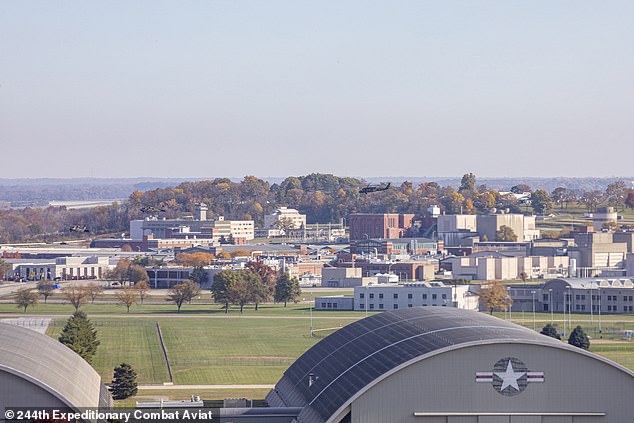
(366, 301)
(591, 305)
(508, 290)
(564, 323)
(533, 292)
(310, 308)
(599, 286)
(550, 300)
(569, 307)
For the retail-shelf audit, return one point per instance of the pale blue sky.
(276, 88)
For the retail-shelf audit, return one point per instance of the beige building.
(603, 216)
(273, 220)
(345, 277)
(523, 226)
(453, 229)
(597, 253)
(506, 268)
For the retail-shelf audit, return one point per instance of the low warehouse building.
(439, 364)
(38, 371)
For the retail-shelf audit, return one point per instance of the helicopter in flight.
(374, 188)
(151, 209)
(78, 228)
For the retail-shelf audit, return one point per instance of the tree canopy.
(495, 297)
(505, 234)
(26, 297)
(579, 339)
(182, 293)
(287, 289)
(124, 383)
(550, 330)
(80, 336)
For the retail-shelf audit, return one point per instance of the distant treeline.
(322, 197)
(42, 190)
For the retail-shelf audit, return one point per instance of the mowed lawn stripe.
(132, 341)
(220, 351)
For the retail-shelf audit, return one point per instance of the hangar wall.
(18, 392)
(573, 383)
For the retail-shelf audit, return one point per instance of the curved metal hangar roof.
(36, 370)
(353, 362)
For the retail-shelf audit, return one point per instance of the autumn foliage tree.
(182, 293)
(45, 288)
(198, 259)
(495, 297)
(128, 296)
(76, 295)
(93, 290)
(26, 297)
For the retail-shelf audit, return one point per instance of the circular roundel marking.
(510, 376)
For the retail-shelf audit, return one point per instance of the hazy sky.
(275, 88)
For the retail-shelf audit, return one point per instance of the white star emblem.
(509, 377)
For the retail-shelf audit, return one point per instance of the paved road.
(9, 288)
(171, 387)
(178, 316)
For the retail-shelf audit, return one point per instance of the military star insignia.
(509, 377)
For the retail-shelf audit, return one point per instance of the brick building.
(379, 225)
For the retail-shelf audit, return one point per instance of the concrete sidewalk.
(171, 387)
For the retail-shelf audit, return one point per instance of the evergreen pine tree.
(578, 338)
(124, 383)
(550, 330)
(80, 336)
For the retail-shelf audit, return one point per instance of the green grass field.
(298, 310)
(573, 215)
(207, 348)
(203, 351)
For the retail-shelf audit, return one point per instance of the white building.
(272, 221)
(168, 228)
(64, 268)
(416, 294)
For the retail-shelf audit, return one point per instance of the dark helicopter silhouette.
(152, 209)
(374, 188)
(78, 228)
